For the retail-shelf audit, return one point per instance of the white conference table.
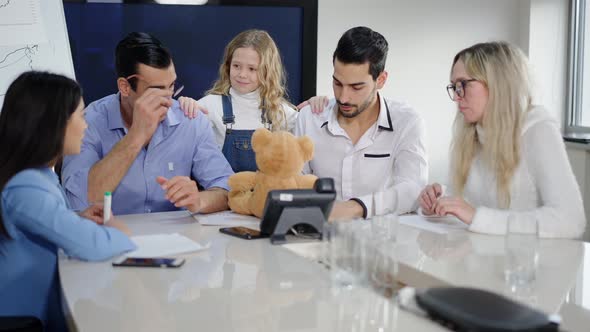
(251, 285)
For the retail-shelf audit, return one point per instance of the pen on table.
(106, 214)
(179, 90)
(193, 214)
(437, 195)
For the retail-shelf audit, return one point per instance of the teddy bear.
(280, 158)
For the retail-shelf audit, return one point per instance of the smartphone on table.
(149, 262)
(243, 232)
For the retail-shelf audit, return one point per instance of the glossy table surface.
(241, 285)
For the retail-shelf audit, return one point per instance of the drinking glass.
(521, 249)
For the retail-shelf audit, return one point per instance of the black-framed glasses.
(458, 89)
(176, 88)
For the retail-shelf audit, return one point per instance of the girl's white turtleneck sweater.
(247, 113)
(542, 187)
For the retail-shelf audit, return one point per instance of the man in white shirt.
(372, 147)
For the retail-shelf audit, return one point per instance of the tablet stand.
(291, 216)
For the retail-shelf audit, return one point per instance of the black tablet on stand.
(285, 209)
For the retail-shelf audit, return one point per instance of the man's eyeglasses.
(458, 89)
(176, 87)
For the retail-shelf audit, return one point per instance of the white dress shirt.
(386, 169)
(543, 185)
(247, 113)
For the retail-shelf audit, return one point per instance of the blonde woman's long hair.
(271, 74)
(503, 69)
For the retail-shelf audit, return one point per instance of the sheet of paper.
(163, 245)
(33, 36)
(21, 22)
(440, 225)
(227, 218)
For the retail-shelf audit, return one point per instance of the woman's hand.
(317, 103)
(455, 206)
(190, 107)
(94, 213)
(428, 197)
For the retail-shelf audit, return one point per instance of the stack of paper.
(440, 225)
(162, 245)
(226, 218)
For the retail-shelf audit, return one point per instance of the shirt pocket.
(376, 169)
(171, 162)
(370, 156)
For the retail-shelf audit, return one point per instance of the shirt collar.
(50, 173)
(383, 121)
(250, 96)
(115, 119)
(173, 118)
(332, 121)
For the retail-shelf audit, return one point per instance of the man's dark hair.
(136, 48)
(33, 122)
(361, 45)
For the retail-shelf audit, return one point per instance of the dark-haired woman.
(42, 119)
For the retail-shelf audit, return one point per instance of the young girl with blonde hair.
(249, 94)
(507, 154)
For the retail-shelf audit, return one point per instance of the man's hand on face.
(148, 112)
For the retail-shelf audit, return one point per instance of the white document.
(162, 245)
(21, 22)
(33, 36)
(440, 225)
(226, 218)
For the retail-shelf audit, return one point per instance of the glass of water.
(348, 253)
(521, 250)
(383, 262)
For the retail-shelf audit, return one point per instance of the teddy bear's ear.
(260, 138)
(306, 145)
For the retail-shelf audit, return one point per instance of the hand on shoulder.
(317, 104)
(191, 108)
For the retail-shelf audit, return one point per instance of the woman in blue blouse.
(42, 119)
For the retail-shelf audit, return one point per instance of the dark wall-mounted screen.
(196, 36)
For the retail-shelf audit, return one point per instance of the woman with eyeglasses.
(42, 120)
(507, 155)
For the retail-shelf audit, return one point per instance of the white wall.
(423, 37)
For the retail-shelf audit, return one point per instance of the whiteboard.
(33, 36)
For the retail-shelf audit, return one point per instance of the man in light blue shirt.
(141, 147)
